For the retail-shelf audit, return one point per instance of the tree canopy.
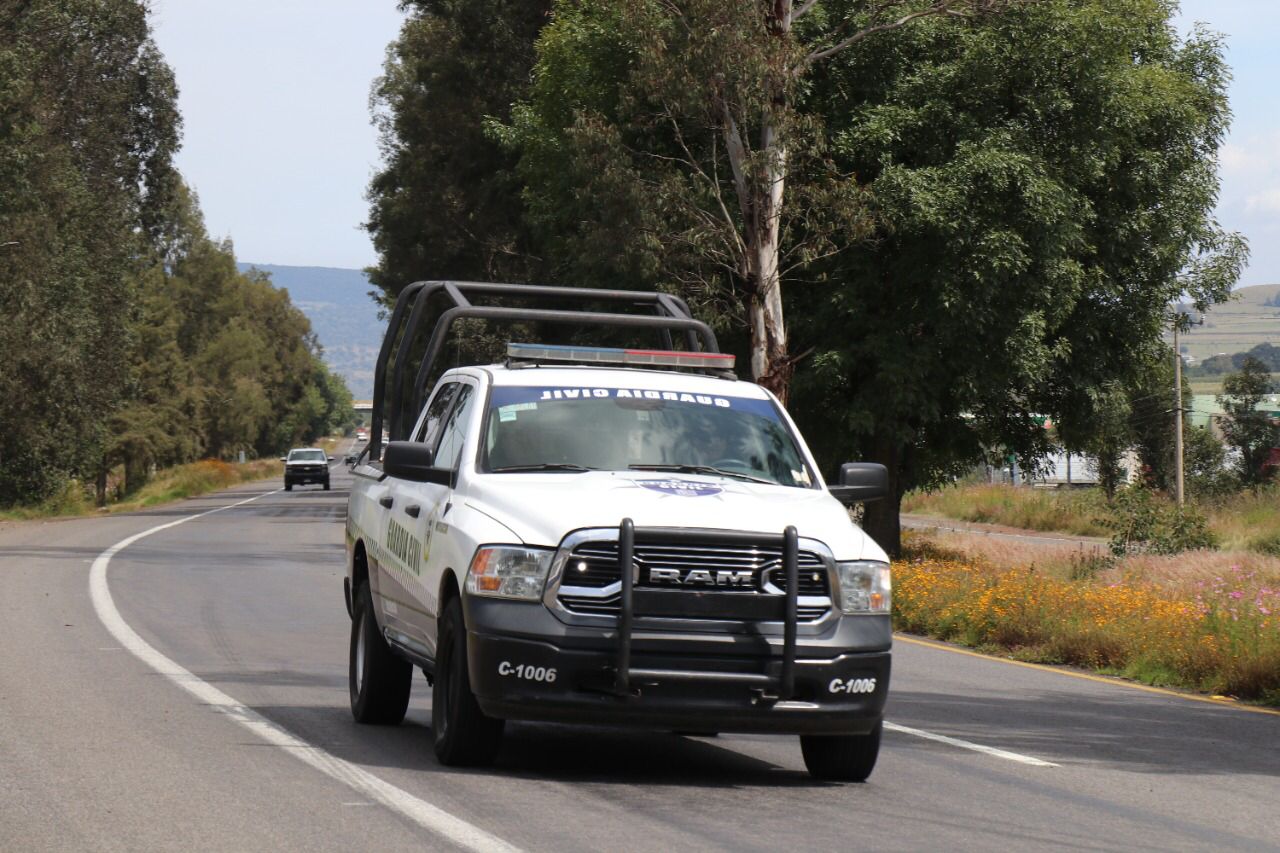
(987, 217)
(445, 202)
(130, 339)
(1250, 430)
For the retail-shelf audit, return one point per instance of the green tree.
(1206, 464)
(1251, 431)
(1111, 437)
(1042, 184)
(1151, 400)
(223, 362)
(88, 125)
(445, 203)
(339, 407)
(674, 141)
(1037, 187)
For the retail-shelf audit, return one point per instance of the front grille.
(595, 564)
(592, 567)
(307, 469)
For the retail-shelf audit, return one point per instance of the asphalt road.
(247, 742)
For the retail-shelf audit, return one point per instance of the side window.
(454, 433)
(429, 432)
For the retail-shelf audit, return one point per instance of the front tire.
(379, 681)
(464, 736)
(288, 487)
(841, 758)
(326, 485)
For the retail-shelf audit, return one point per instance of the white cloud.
(1265, 202)
(1252, 158)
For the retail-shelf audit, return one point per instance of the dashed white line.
(964, 744)
(419, 811)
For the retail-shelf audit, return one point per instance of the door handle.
(412, 510)
(386, 501)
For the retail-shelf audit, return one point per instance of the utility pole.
(1177, 408)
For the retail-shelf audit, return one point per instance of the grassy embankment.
(1247, 521)
(1201, 620)
(169, 484)
(1077, 512)
(1180, 621)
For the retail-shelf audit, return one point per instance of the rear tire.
(841, 758)
(464, 736)
(379, 681)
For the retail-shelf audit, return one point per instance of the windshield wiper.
(542, 466)
(701, 469)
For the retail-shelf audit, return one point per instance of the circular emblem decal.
(681, 488)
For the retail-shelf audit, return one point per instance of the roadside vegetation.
(901, 216)
(1207, 622)
(167, 485)
(1243, 521)
(1078, 512)
(131, 343)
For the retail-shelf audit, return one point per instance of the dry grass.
(1249, 521)
(1078, 512)
(198, 478)
(169, 484)
(1200, 621)
(1061, 560)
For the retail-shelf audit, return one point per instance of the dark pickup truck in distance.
(305, 465)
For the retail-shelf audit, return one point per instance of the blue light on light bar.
(614, 355)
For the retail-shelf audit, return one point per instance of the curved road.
(99, 750)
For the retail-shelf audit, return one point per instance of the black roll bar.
(670, 314)
(635, 321)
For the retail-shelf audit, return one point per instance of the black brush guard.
(664, 603)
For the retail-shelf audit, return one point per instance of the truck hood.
(541, 508)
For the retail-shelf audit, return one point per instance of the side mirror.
(861, 482)
(328, 458)
(284, 459)
(412, 460)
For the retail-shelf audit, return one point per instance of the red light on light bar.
(614, 355)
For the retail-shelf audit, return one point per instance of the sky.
(279, 147)
(277, 140)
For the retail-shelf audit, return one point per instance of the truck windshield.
(307, 456)
(620, 429)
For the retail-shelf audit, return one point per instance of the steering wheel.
(732, 463)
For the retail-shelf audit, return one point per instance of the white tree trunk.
(768, 328)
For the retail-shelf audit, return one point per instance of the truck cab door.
(405, 590)
(419, 507)
(441, 551)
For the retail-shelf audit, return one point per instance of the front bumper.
(527, 665)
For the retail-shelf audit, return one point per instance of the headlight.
(864, 586)
(509, 571)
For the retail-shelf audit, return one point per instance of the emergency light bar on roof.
(613, 355)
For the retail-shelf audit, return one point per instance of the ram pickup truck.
(611, 536)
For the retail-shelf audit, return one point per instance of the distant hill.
(1239, 325)
(342, 314)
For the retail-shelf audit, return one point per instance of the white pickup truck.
(486, 543)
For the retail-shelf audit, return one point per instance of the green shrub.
(1145, 524)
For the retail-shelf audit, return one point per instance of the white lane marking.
(964, 744)
(419, 811)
